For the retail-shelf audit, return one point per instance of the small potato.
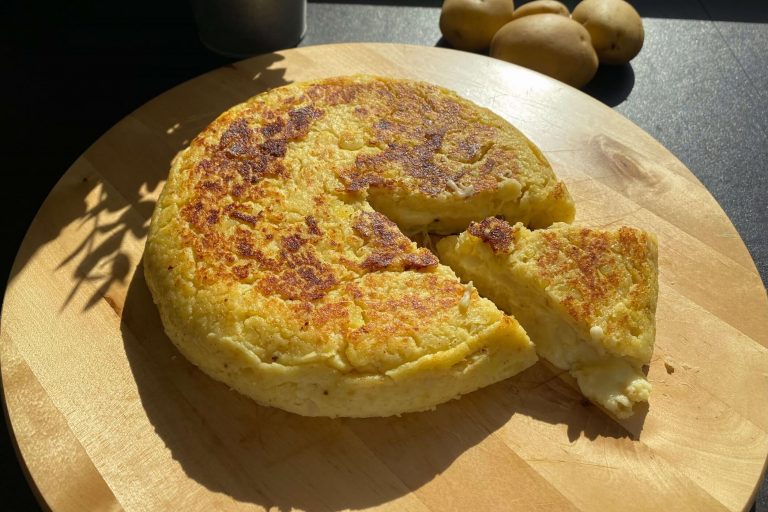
(471, 24)
(541, 7)
(615, 27)
(548, 43)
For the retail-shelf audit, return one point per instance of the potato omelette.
(278, 257)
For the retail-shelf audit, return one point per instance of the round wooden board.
(107, 415)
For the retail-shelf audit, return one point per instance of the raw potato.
(548, 43)
(541, 7)
(615, 27)
(471, 24)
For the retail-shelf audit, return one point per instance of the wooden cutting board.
(108, 415)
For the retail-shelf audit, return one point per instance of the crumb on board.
(687, 366)
(671, 365)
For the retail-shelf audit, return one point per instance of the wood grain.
(107, 415)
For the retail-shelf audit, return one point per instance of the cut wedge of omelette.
(587, 298)
(278, 261)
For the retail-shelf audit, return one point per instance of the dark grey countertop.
(699, 86)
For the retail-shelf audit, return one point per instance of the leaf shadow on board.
(277, 460)
(106, 198)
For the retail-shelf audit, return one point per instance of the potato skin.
(470, 24)
(615, 27)
(548, 43)
(541, 7)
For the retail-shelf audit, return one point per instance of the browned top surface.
(269, 191)
(599, 267)
(267, 213)
(498, 234)
(599, 277)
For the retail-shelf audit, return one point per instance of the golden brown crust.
(605, 278)
(593, 265)
(391, 249)
(498, 234)
(435, 139)
(263, 238)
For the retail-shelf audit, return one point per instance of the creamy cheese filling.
(614, 384)
(452, 211)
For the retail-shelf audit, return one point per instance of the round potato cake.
(278, 260)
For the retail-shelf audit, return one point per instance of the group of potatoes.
(542, 35)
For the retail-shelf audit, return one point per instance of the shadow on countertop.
(611, 84)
